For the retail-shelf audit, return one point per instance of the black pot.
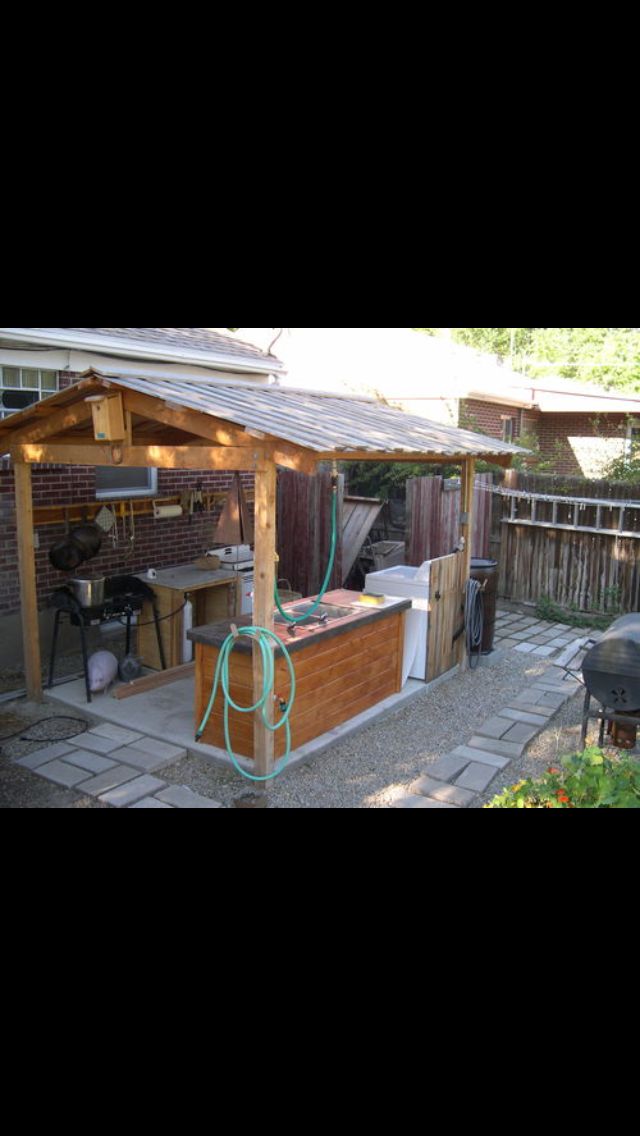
(89, 540)
(66, 556)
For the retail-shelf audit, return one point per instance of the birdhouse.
(108, 418)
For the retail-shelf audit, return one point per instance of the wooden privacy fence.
(304, 530)
(580, 547)
(433, 517)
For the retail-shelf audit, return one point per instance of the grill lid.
(611, 669)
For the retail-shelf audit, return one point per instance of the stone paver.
(93, 742)
(446, 767)
(116, 733)
(520, 715)
(132, 791)
(40, 757)
(96, 786)
(482, 756)
(419, 803)
(503, 748)
(181, 797)
(165, 751)
(477, 777)
(150, 803)
(91, 762)
(145, 761)
(441, 791)
(61, 773)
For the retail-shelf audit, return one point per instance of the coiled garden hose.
(265, 639)
(474, 620)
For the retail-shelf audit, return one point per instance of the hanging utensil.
(104, 519)
(130, 539)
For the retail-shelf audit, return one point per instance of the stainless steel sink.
(323, 613)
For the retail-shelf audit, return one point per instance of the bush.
(589, 780)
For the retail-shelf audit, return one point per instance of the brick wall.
(158, 544)
(581, 444)
(487, 417)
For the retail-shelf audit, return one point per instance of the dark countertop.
(214, 634)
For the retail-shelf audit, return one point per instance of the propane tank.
(187, 624)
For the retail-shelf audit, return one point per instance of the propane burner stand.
(603, 715)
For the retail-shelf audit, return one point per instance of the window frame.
(632, 439)
(39, 389)
(149, 490)
(509, 427)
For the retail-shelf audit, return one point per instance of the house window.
(632, 448)
(125, 481)
(20, 387)
(508, 428)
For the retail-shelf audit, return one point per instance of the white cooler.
(413, 584)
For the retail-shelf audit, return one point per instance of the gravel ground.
(362, 772)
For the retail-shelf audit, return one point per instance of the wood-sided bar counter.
(343, 667)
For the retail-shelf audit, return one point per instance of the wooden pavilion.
(196, 424)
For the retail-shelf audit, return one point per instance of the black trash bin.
(486, 572)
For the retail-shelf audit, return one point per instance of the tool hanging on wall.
(235, 525)
(104, 519)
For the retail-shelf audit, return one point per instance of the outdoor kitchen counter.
(342, 668)
(212, 592)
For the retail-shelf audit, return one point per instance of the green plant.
(589, 780)
(548, 610)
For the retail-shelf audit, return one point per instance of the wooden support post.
(263, 601)
(466, 526)
(28, 591)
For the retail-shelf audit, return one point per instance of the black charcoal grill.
(611, 673)
(611, 669)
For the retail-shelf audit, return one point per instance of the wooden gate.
(445, 615)
(433, 517)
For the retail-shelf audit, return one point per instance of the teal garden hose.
(265, 640)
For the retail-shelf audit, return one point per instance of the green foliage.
(380, 479)
(589, 780)
(548, 610)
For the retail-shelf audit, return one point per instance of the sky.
(356, 358)
(396, 362)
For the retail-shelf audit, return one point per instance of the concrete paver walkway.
(456, 779)
(118, 767)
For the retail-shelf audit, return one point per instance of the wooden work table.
(214, 595)
(342, 668)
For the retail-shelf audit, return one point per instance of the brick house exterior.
(578, 443)
(157, 544)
